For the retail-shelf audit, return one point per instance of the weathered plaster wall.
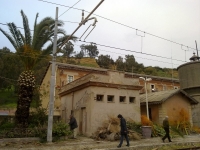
(174, 105)
(45, 92)
(171, 107)
(100, 110)
(77, 101)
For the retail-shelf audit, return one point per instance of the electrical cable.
(69, 8)
(59, 4)
(130, 50)
(134, 56)
(122, 24)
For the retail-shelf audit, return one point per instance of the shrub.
(145, 121)
(38, 117)
(134, 126)
(61, 129)
(6, 124)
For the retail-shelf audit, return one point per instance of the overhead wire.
(59, 4)
(130, 50)
(121, 24)
(69, 8)
(114, 22)
(126, 49)
(59, 62)
(134, 56)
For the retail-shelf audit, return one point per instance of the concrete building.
(92, 98)
(189, 76)
(66, 73)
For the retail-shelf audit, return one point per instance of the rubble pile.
(110, 130)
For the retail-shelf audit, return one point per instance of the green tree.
(31, 49)
(80, 54)
(105, 61)
(150, 71)
(90, 49)
(120, 64)
(10, 68)
(68, 49)
(130, 63)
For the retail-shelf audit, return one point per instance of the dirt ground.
(84, 143)
(81, 143)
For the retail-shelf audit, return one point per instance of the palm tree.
(31, 49)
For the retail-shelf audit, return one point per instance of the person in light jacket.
(124, 131)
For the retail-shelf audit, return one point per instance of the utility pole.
(52, 83)
(53, 80)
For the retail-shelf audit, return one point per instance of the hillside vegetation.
(11, 67)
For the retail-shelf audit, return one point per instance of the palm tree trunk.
(26, 83)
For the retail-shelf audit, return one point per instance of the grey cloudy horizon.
(174, 20)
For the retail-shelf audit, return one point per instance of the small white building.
(94, 96)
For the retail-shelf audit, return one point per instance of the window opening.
(70, 78)
(131, 99)
(110, 98)
(99, 98)
(122, 99)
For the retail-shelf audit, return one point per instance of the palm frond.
(12, 41)
(22, 36)
(41, 31)
(16, 34)
(35, 30)
(27, 31)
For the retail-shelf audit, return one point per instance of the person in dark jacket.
(124, 132)
(73, 125)
(166, 128)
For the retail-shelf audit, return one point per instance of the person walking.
(73, 125)
(166, 128)
(124, 132)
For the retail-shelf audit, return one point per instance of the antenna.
(197, 50)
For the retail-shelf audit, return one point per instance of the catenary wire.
(134, 56)
(127, 50)
(130, 50)
(69, 8)
(122, 24)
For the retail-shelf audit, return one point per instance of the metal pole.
(52, 83)
(81, 24)
(146, 99)
(197, 50)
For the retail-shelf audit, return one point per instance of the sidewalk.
(84, 143)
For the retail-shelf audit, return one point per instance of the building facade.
(67, 73)
(168, 103)
(94, 97)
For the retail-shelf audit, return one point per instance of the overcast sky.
(158, 22)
